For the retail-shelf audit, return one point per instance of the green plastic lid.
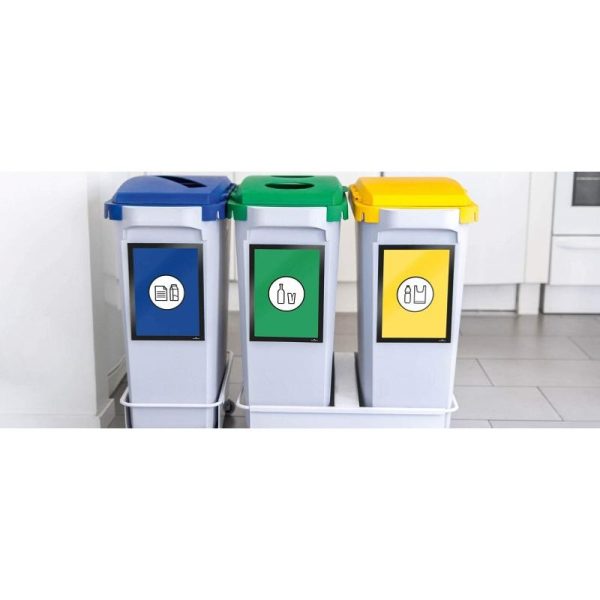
(306, 191)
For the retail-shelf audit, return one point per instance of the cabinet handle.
(579, 244)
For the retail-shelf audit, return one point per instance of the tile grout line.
(585, 359)
(590, 357)
(550, 403)
(485, 372)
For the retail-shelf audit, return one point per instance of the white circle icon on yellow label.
(286, 294)
(166, 292)
(415, 294)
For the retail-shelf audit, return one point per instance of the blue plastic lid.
(210, 192)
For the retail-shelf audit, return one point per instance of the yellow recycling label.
(415, 293)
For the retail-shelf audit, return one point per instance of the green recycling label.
(286, 293)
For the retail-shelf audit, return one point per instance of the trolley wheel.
(229, 406)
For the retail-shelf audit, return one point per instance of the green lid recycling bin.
(287, 244)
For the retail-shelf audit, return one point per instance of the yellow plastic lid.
(369, 194)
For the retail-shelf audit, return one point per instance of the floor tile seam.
(575, 360)
(485, 372)
(582, 360)
(550, 403)
(590, 357)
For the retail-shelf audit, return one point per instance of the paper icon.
(160, 293)
(166, 292)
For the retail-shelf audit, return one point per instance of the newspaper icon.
(166, 292)
(160, 293)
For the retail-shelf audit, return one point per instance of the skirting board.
(115, 376)
(571, 299)
(48, 421)
(102, 419)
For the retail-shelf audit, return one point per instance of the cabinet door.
(575, 260)
(497, 243)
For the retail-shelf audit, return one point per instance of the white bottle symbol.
(407, 295)
(281, 294)
(174, 293)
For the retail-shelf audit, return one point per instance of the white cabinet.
(575, 260)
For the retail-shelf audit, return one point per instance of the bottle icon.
(281, 294)
(407, 295)
(174, 293)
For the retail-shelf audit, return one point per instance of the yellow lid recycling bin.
(412, 238)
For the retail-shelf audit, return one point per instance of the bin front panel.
(166, 291)
(286, 293)
(415, 293)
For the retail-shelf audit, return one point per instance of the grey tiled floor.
(530, 371)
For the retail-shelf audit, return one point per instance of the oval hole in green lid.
(291, 185)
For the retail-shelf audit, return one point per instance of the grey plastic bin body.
(406, 374)
(180, 361)
(300, 372)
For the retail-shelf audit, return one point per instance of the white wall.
(109, 343)
(57, 334)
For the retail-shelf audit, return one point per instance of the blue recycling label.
(165, 291)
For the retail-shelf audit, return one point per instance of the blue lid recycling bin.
(173, 246)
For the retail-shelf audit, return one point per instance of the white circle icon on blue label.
(415, 294)
(286, 294)
(166, 292)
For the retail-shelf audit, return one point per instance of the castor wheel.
(229, 406)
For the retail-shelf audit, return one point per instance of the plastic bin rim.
(173, 190)
(289, 191)
(368, 195)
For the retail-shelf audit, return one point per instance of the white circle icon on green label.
(286, 294)
(166, 292)
(415, 294)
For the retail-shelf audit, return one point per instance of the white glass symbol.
(286, 294)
